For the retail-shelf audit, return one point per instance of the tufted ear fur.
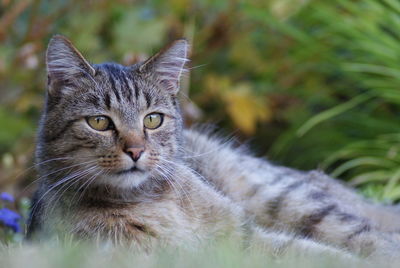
(168, 65)
(65, 63)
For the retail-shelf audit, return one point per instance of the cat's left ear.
(168, 65)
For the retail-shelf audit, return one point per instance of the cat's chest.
(143, 223)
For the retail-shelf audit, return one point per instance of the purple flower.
(6, 197)
(10, 219)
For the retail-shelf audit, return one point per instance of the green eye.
(99, 122)
(153, 121)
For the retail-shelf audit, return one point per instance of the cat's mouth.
(133, 169)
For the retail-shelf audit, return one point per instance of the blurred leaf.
(12, 128)
(137, 33)
(245, 109)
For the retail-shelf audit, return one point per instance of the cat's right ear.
(65, 63)
(167, 65)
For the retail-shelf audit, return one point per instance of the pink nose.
(134, 152)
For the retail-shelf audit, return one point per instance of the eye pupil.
(99, 123)
(153, 121)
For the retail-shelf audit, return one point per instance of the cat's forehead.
(121, 85)
(123, 90)
(110, 73)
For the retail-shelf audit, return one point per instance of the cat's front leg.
(376, 246)
(282, 244)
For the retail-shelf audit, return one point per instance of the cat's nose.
(134, 152)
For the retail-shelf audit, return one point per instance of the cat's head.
(108, 123)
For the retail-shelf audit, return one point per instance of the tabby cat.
(116, 165)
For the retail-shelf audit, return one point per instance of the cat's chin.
(126, 179)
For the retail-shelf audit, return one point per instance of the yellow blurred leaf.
(179, 5)
(27, 101)
(245, 109)
(283, 9)
(217, 85)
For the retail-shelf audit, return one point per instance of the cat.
(115, 165)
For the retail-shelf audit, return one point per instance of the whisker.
(53, 186)
(198, 66)
(23, 172)
(171, 183)
(64, 168)
(191, 169)
(69, 184)
(168, 175)
(159, 169)
(87, 183)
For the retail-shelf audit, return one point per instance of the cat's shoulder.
(208, 136)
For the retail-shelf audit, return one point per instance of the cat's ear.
(168, 65)
(64, 62)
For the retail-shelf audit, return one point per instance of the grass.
(224, 254)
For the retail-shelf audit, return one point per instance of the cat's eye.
(100, 122)
(153, 121)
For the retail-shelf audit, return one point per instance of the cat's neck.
(104, 195)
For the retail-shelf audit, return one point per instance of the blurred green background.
(310, 84)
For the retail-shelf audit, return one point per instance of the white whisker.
(170, 176)
(68, 184)
(59, 182)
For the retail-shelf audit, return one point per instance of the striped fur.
(186, 188)
(308, 204)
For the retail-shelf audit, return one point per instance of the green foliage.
(310, 82)
(368, 38)
(15, 128)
